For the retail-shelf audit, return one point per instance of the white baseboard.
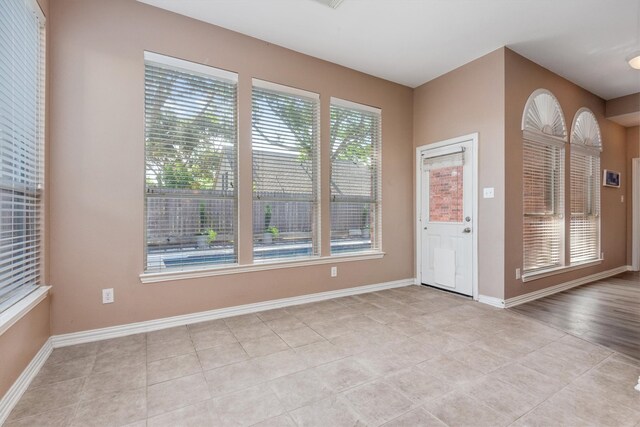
(511, 302)
(11, 398)
(169, 322)
(493, 301)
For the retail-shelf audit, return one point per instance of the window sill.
(18, 310)
(166, 276)
(558, 270)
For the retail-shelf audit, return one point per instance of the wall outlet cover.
(107, 296)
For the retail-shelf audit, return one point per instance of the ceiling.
(413, 41)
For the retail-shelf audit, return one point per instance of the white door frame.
(473, 138)
(635, 214)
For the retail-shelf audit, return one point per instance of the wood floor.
(606, 312)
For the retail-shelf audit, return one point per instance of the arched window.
(544, 135)
(586, 145)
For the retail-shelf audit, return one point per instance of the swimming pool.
(226, 256)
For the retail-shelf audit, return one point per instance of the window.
(21, 148)
(191, 165)
(285, 142)
(446, 187)
(584, 240)
(544, 137)
(355, 177)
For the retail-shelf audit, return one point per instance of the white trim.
(277, 87)
(473, 138)
(37, 11)
(511, 302)
(531, 99)
(528, 277)
(167, 276)
(13, 395)
(169, 322)
(14, 313)
(354, 105)
(493, 301)
(588, 112)
(182, 65)
(635, 214)
(541, 138)
(585, 150)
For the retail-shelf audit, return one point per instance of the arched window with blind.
(586, 145)
(544, 135)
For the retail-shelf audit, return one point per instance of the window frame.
(207, 71)
(547, 131)
(587, 143)
(28, 294)
(247, 265)
(376, 160)
(593, 147)
(316, 232)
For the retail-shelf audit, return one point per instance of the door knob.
(467, 230)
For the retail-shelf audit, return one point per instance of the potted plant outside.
(267, 236)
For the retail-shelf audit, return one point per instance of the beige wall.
(522, 77)
(20, 343)
(623, 105)
(633, 152)
(467, 100)
(97, 163)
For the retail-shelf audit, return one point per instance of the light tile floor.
(403, 357)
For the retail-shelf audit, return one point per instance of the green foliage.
(211, 236)
(293, 112)
(274, 232)
(188, 151)
(267, 216)
(351, 136)
(185, 151)
(203, 217)
(364, 218)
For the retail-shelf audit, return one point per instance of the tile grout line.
(375, 377)
(568, 385)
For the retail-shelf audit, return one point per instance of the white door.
(445, 217)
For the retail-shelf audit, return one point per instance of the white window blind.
(584, 240)
(285, 143)
(191, 165)
(22, 76)
(544, 133)
(355, 177)
(543, 205)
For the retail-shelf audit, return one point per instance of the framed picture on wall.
(611, 179)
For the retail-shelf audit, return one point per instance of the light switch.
(489, 192)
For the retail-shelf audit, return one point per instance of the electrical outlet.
(334, 271)
(488, 192)
(602, 255)
(107, 296)
(518, 274)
